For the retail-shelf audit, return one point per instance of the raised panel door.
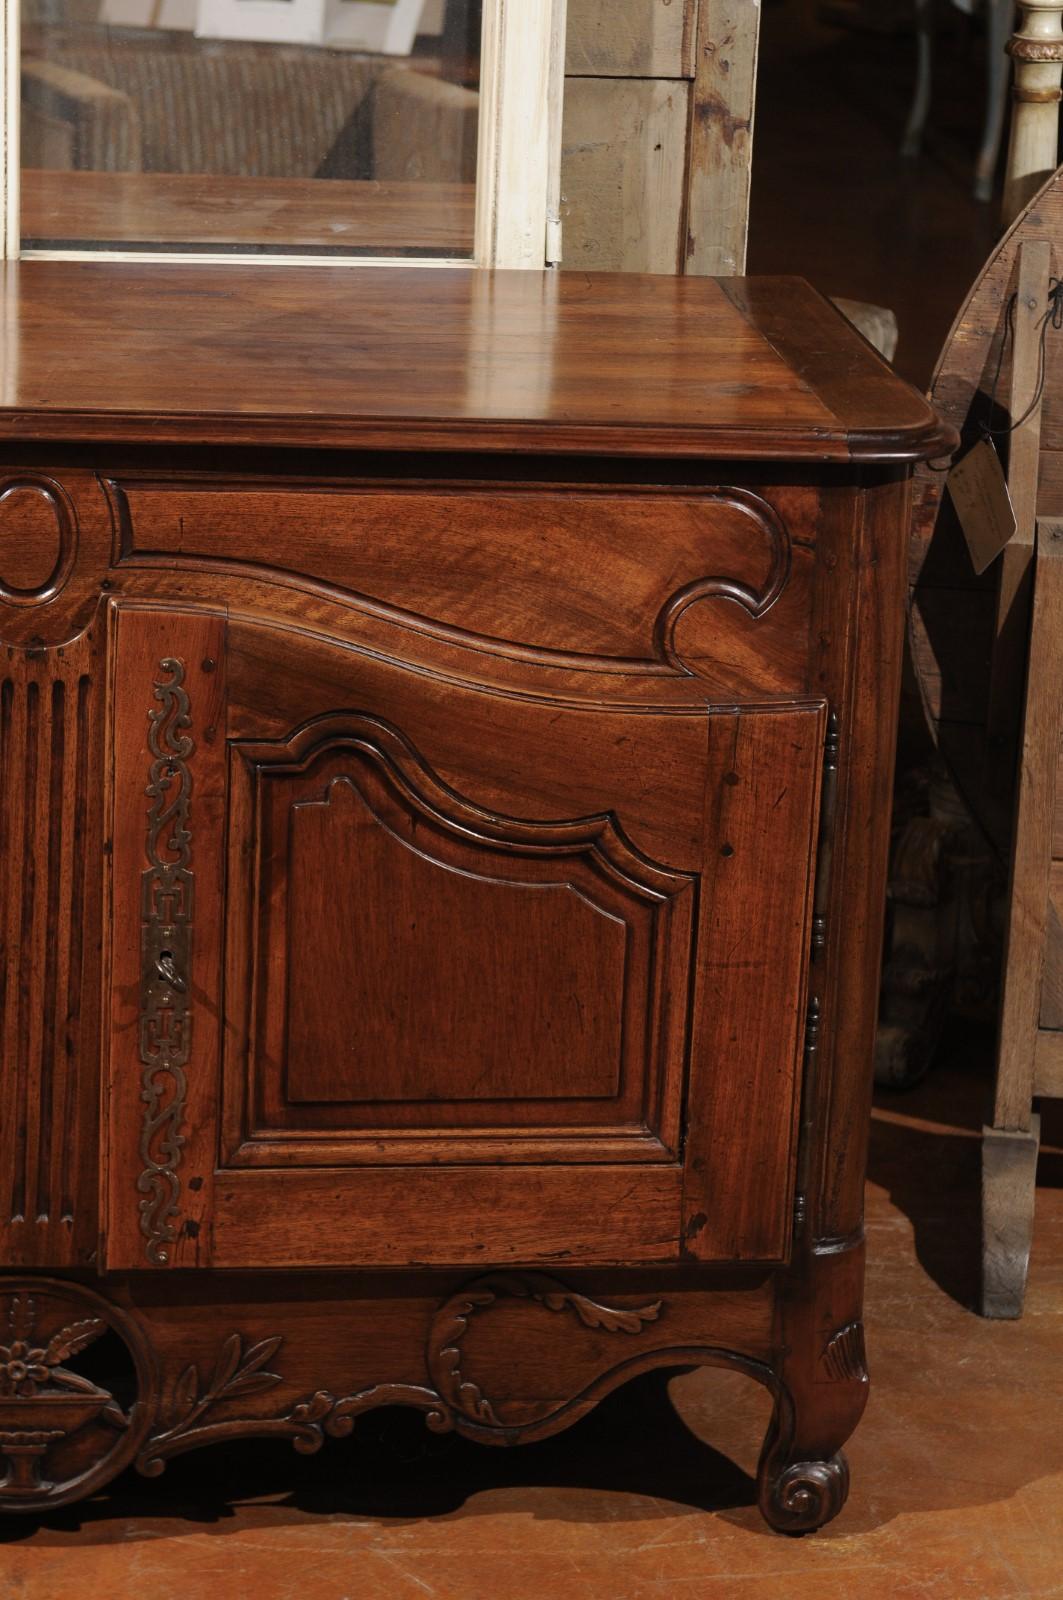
(405, 970)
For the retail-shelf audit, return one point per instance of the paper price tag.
(979, 492)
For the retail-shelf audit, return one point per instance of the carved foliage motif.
(166, 940)
(462, 1397)
(53, 1418)
(456, 1402)
(237, 1374)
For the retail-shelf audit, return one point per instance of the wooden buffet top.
(441, 358)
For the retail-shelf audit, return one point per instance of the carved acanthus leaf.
(68, 1341)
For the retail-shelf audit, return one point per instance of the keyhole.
(167, 970)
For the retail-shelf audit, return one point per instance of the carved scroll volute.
(167, 877)
(714, 627)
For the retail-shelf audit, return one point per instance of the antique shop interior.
(531, 711)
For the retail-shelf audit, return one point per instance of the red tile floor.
(957, 1466)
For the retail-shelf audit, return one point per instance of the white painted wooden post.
(1037, 50)
(521, 55)
(9, 48)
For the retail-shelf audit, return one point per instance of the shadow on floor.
(926, 1153)
(634, 1443)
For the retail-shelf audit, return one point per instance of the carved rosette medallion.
(63, 1433)
(166, 945)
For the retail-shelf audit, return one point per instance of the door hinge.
(811, 1031)
(828, 805)
(804, 1140)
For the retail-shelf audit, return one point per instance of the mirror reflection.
(333, 127)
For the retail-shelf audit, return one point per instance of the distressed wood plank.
(623, 160)
(1031, 857)
(721, 137)
(631, 38)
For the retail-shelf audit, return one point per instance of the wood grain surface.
(184, 211)
(440, 819)
(415, 358)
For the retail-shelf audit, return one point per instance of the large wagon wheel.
(952, 614)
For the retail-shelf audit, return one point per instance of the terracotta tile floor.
(957, 1468)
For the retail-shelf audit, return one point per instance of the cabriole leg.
(803, 1477)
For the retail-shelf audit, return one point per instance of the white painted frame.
(519, 150)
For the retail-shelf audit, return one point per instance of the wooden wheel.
(953, 613)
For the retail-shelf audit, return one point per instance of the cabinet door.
(406, 970)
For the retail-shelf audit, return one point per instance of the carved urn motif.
(41, 1400)
(60, 1431)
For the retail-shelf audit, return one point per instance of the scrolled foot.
(805, 1495)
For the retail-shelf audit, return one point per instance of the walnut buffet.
(446, 730)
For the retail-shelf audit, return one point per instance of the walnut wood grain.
(750, 1005)
(488, 717)
(416, 359)
(181, 211)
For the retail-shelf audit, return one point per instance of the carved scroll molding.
(462, 1398)
(456, 1401)
(20, 498)
(421, 792)
(62, 1434)
(756, 601)
(660, 655)
(166, 942)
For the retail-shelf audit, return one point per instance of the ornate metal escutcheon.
(166, 946)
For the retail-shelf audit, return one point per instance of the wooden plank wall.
(657, 138)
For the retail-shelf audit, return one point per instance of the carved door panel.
(405, 971)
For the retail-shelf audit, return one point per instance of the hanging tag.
(979, 491)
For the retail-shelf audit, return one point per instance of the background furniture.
(999, 18)
(168, 103)
(1033, 149)
(445, 724)
(977, 660)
